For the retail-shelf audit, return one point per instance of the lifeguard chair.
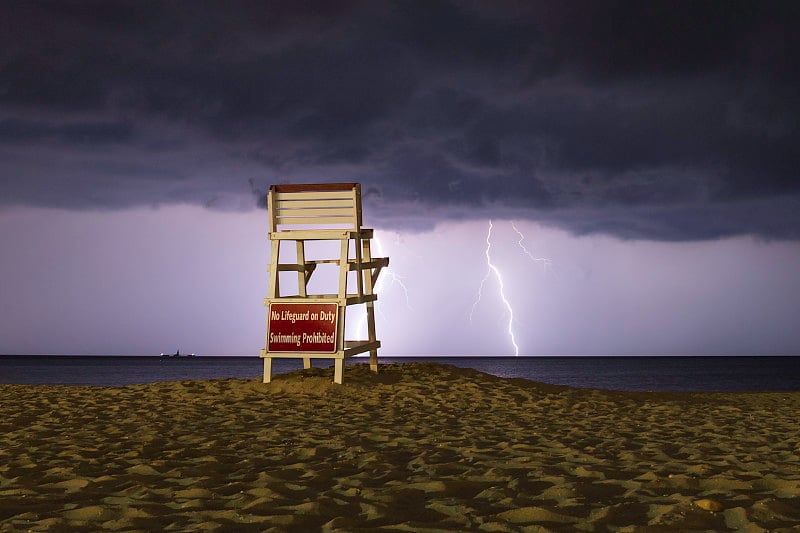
(307, 325)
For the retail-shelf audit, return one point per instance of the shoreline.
(418, 446)
(764, 374)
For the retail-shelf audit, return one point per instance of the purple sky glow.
(647, 149)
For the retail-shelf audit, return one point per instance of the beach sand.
(418, 447)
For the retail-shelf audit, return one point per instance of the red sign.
(302, 327)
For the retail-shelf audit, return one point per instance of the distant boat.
(177, 354)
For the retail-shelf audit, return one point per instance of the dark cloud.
(658, 120)
(92, 133)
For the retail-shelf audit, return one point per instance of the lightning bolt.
(494, 270)
(386, 273)
(391, 274)
(543, 260)
(480, 294)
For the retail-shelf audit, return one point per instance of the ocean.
(628, 373)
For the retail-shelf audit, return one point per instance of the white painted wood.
(302, 277)
(267, 369)
(369, 286)
(295, 204)
(361, 347)
(316, 212)
(304, 355)
(313, 220)
(274, 289)
(344, 252)
(305, 213)
(338, 371)
(350, 299)
(316, 195)
(312, 235)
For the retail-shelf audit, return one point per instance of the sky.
(647, 150)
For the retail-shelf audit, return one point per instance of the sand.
(418, 447)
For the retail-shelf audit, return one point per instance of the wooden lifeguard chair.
(307, 325)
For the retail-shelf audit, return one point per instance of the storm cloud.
(643, 120)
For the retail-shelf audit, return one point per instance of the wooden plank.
(315, 212)
(311, 234)
(318, 195)
(312, 204)
(361, 348)
(366, 258)
(362, 343)
(350, 299)
(289, 267)
(274, 287)
(338, 371)
(358, 206)
(303, 355)
(316, 220)
(359, 277)
(267, 369)
(311, 298)
(325, 234)
(300, 187)
(343, 258)
(375, 274)
(302, 278)
(271, 208)
(309, 271)
(369, 286)
(310, 264)
(367, 265)
(340, 328)
(364, 298)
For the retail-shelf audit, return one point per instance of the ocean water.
(752, 373)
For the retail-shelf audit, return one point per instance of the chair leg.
(338, 371)
(371, 335)
(302, 279)
(373, 354)
(274, 278)
(267, 369)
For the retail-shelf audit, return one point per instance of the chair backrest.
(323, 205)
